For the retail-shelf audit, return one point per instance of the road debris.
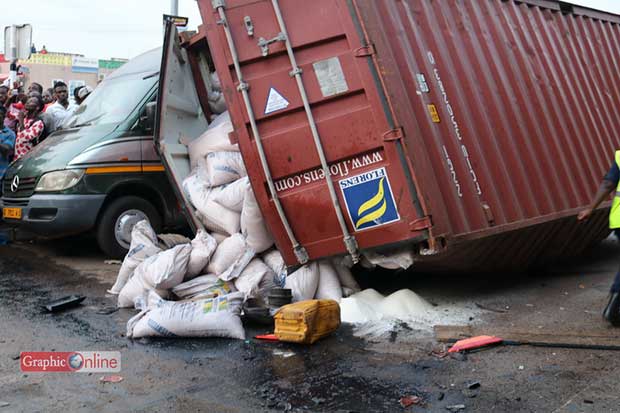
(474, 343)
(113, 262)
(267, 337)
(5, 404)
(64, 303)
(114, 378)
(107, 310)
(455, 407)
(407, 401)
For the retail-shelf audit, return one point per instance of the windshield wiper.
(150, 76)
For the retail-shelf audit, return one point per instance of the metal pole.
(13, 73)
(174, 7)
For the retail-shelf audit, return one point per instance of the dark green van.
(101, 171)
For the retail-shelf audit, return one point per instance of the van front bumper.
(55, 215)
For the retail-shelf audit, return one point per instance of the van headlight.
(59, 180)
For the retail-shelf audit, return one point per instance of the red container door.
(375, 193)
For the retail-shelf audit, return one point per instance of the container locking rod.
(300, 252)
(348, 239)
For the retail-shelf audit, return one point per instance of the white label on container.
(422, 85)
(330, 76)
(275, 102)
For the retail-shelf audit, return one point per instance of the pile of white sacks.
(197, 287)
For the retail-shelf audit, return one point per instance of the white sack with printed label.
(203, 247)
(166, 269)
(304, 282)
(205, 286)
(232, 195)
(253, 225)
(215, 139)
(224, 167)
(230, 258)
(212, 317)
(143, 245)
(255, 280)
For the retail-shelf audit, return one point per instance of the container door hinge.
(393, 135)
(365, 51)
(421, 224)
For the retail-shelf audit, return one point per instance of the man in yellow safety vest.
(611, 183)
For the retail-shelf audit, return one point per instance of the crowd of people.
(28, 118)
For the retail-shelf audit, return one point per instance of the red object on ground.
(491, 121)
(409, 401)
(111, 379)
(268, 337)
(474, 342)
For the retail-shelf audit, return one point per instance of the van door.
(180, 117)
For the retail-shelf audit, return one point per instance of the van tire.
(106, 236)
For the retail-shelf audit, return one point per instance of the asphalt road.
(341, 373)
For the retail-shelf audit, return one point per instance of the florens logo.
(369, 199)
(71, 361)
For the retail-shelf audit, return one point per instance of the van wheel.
(117, 221)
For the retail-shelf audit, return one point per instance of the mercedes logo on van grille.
(15, 184)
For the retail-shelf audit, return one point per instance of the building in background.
(74, 70)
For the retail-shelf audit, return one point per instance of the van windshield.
(112, 101)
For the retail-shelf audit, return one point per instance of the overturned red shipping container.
(471, 132)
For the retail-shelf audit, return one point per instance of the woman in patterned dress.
(30, 127)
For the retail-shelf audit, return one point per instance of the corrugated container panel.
(509, 111)
(527, 98)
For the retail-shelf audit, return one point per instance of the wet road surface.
(340, 373)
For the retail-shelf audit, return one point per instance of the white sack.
(215, 139)
(213, 317)
(143, 245)
(136, 287)
(347, 281)
(219, 237)
(217, 103)
(230, 258)
(224, 167)
(205, 286)
(167, 241)
(231, 196)
(304, 282)
(166, 269)
(214, 79)
(329, 285)
(274, 260)
(251, 279)
(203, 246)
(214, 217)
(253, 225)
(401, 259)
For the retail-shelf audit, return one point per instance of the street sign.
(17, 42)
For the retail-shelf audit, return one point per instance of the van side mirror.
(148, 120)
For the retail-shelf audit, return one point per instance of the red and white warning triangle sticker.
(275, 102)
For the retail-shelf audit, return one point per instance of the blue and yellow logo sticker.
(369, 199)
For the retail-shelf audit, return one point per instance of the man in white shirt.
(62, 109)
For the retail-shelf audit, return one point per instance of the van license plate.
(13, 213)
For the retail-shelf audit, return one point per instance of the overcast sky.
(118, 28)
